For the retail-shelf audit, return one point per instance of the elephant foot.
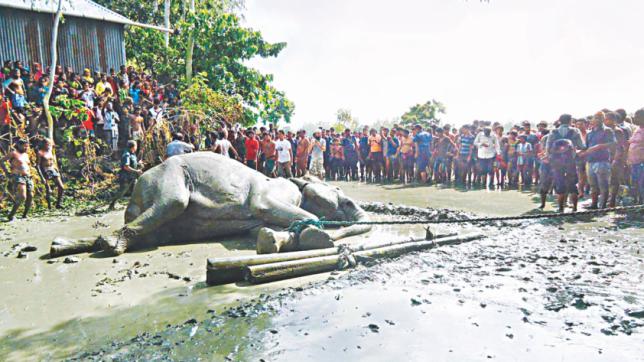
(270, 241)
(314, 238)
(117, 244)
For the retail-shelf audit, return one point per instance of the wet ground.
(530, 291)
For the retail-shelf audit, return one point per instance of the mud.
(563, 289)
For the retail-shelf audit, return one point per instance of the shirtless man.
(138, 128)
(302, 154)
(268, 149)
(48, 170)
(23, 185)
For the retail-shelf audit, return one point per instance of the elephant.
(202, 196)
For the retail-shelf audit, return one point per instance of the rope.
(297, 226)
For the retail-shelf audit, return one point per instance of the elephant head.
(323, 201)
(328, 202)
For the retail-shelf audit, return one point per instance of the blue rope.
(299, 225)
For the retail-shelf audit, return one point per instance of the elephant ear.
(299, 182)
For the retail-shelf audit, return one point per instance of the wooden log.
(264, 273)
(231, 270)
(62, 246)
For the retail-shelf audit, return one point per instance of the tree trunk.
(264, 273)
(191, 46)
(166, 18)
(52, 70)
(230, 270)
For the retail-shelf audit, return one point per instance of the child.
(524, 152)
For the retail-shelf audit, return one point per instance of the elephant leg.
(173, 203)
(280, 214)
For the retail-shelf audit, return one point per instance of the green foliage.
(203, 102)
(425, 114)
(345, 120)
(221, 49)
(68, 107)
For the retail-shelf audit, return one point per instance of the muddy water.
(536, 291)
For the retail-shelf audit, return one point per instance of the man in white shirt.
(284, 155)
(318, 146)
(488, 147)
(177, 146)
(224, 147)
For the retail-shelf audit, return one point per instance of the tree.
(220, 47)
(425, 114)
(345, 120)
(52, 70)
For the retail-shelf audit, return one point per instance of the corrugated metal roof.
(80, 8)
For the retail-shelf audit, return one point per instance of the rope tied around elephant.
(299, 225)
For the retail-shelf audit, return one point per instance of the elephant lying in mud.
(200, 196)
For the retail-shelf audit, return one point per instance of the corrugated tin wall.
(82, 43)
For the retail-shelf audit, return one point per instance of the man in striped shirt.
(464, 161)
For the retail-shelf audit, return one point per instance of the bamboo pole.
(264, 273)
(230, 270)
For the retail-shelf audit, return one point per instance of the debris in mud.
(71, 260)
(374, 328)
(28, 249)
(635, 313)
(22, 255)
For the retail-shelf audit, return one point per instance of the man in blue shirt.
(599, 142)
(423, 141)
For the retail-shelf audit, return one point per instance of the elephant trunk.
(354, 214)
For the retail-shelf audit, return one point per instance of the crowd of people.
(111, 108)
(598, 156)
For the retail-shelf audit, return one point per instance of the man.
(223, 146)
(443, 149)
(23, 185)
(406, 157)
(618, 169)
(464, 160)
(636, 157)
(488, 147)
(365, 164)
(391, 164)
(582, 125)
(350, 146)
(318, 147)
(423, 145)
(128, 174)
(284, 155)
(177, 146)
(48, 171)
(375, 153)
(599, 142)
(533, 139)
(111, 127)
(270, 153)
(561, 148)
(302, 154)
(251, 145)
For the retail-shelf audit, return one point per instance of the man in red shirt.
(252, 149)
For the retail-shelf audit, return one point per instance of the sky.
(506, 60)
